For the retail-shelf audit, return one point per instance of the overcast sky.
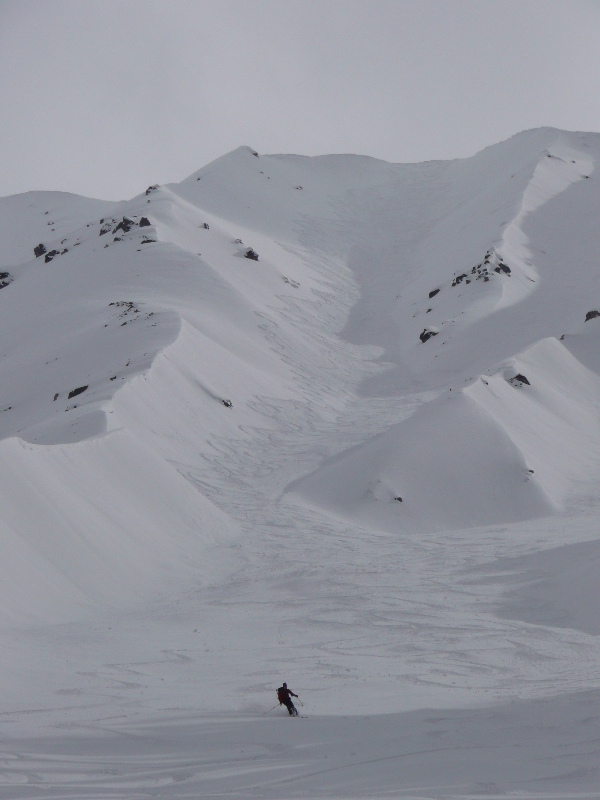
(103, 97)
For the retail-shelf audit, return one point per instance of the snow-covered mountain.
(326, 419)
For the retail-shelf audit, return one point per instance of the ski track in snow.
(430, 663)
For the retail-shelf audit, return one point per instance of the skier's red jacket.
(283, 694)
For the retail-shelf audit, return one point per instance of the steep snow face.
(454, 253)
(443, 271)
(505, 316)
(285, 416)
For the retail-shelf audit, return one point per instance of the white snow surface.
(366, 463)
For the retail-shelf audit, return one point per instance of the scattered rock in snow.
(491, 264)
(227, 403)
(5, 279)
(39, 250)
(151, 189)
(206, 226)
(144, 222)
(128, 312)
(399, 499)
(250, 253)
(49, 256)
(519, 380)
(427, 334)
(433, 293)
(148, 241)
(592, 315)
(75, 392)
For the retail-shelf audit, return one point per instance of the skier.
(283, 695)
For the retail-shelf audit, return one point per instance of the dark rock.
(55, 397)
(399, 499)
(152, 188)
(39, 250)
(227, 403)
(144, 222)
(427, 334)
(433, 293)
(49, 256)
(148, 241)
(125, 225)
(459, 279)
(206, 226)
(502, 268)
(75, 392)
(519, 380)
(5, 279)
(251, 254)
(592, 315)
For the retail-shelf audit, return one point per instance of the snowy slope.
(364, 460)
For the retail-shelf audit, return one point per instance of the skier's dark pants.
(291, 707)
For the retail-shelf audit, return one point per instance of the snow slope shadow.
(557, 588)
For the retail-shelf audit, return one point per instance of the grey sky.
(103, 97)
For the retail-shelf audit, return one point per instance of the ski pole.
(271, 709)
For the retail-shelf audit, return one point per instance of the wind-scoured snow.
(325, 420)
